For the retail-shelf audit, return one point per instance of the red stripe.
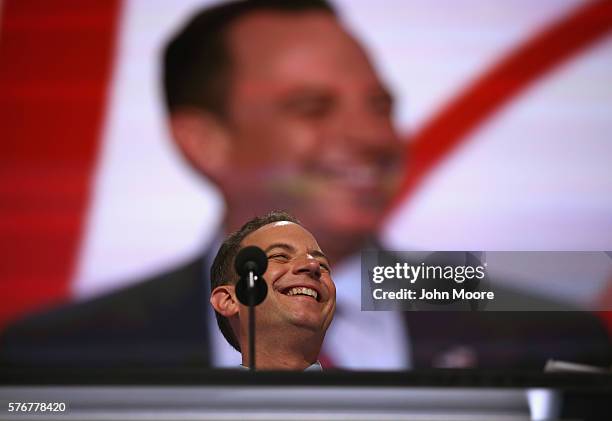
(55, 65)
(499, 86)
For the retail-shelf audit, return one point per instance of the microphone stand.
(251, 263)
(251, 293)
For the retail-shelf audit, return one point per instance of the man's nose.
(308, 265)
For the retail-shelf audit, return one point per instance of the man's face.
(301, 293)
(310, 124)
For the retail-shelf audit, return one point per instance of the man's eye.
(317, 109)
(325, 267)
(281, 256)
(311, 107)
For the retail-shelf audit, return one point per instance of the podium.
(334, 395)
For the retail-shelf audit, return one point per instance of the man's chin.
(306, 318)
(308, 326)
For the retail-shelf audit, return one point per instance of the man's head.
(301, 294)
(278, 105)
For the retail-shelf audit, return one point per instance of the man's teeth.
(303, 291)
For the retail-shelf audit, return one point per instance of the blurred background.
(505, 107)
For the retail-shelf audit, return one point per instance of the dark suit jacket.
(158, 322)
(161, 322)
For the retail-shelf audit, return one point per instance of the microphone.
(251, 259)
(250, 262)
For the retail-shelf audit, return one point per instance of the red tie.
(326, 362)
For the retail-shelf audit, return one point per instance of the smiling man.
(291, 322)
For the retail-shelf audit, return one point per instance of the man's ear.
(223, 300)
(203, 140)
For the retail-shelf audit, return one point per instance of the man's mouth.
(303, 291)
(358, 176)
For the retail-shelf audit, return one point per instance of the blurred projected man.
(280, 107)
(292, 320)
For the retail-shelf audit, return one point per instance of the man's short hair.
(197, 61)
(222, 271)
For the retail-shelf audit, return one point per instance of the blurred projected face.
(301, 292)
(310, 124)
